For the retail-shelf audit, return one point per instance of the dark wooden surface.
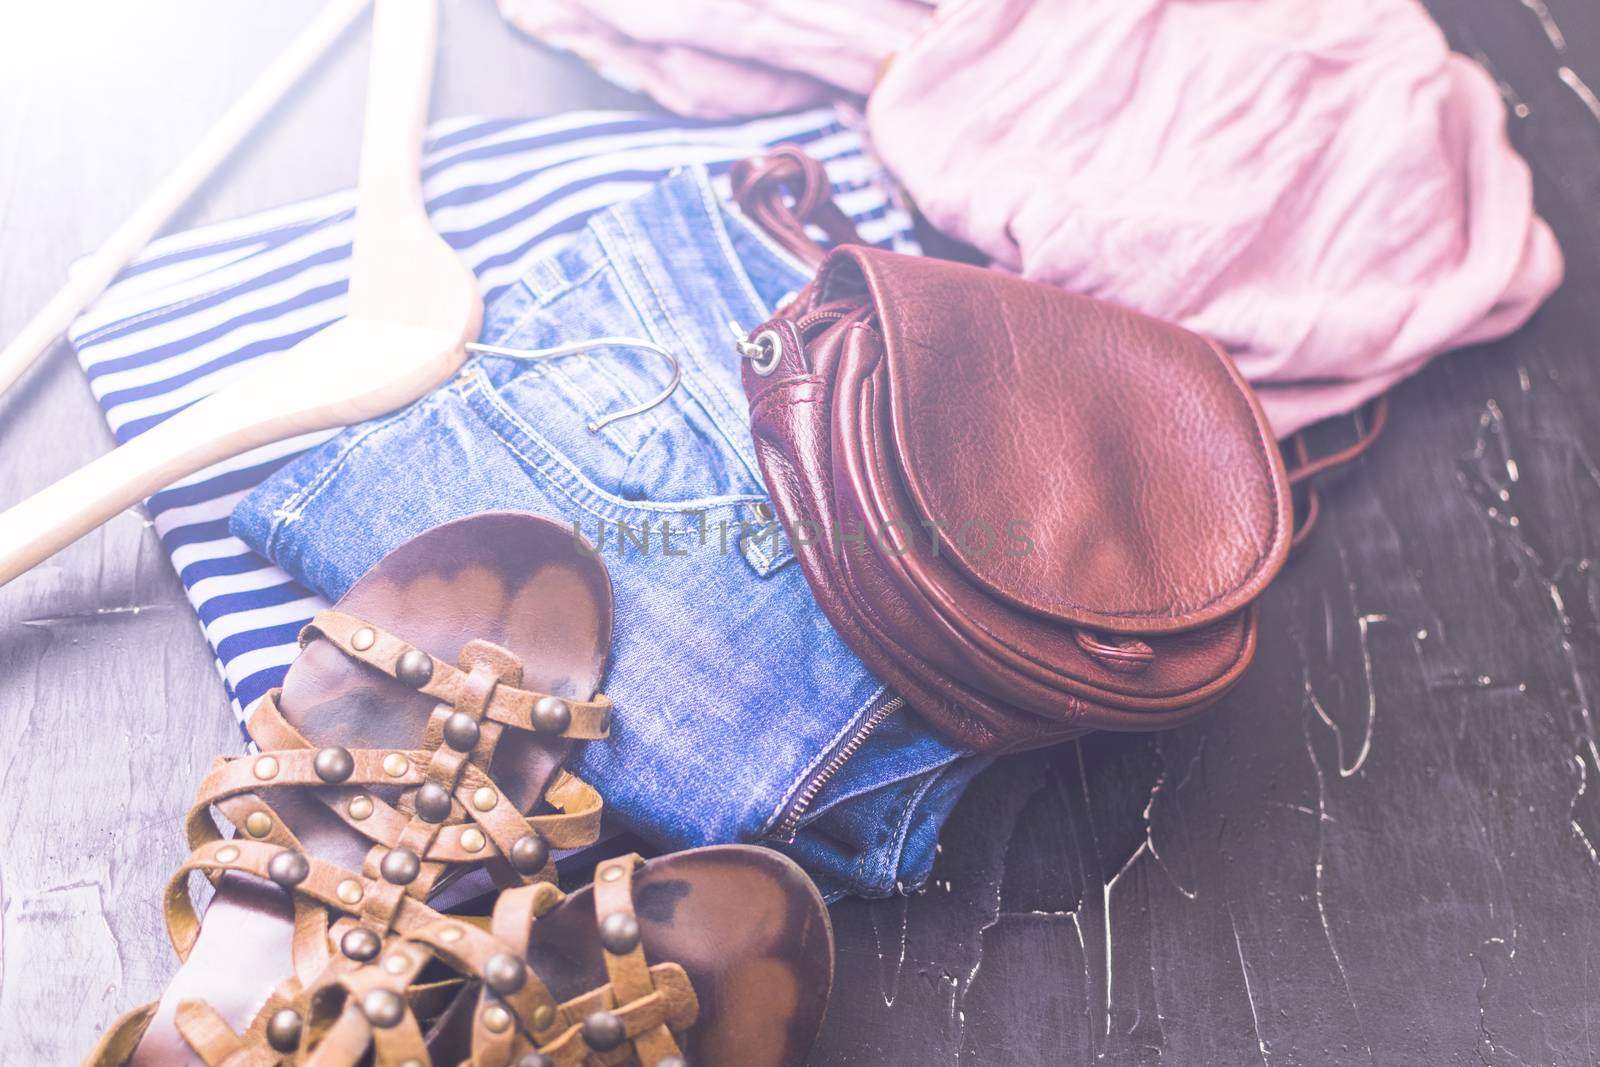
(1381, 850)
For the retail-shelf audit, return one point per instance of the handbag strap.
(1373, 418)
(760, 186)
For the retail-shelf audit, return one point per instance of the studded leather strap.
(370, 1010)
(465, 818)
(388, 1028)
(625, 962)
(532, 1002)
(640, 1007)
(589, 720)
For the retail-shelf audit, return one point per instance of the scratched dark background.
(1381, 849)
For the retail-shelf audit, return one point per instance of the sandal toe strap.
(547, 714)
(632, 1018)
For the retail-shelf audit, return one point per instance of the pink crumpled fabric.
(1322, 187)
(729, 58)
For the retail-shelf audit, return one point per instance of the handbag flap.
(1081, 460)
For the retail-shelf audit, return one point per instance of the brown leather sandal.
(745, 956)
(743, 966)
(425, 771)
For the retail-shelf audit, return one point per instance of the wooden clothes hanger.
(90, 277)
(413, 307)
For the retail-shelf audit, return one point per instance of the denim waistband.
(740, 713)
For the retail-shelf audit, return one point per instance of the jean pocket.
(682, 473)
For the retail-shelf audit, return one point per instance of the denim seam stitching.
(541, 304)
(866, 880)
(576, 494)
(714, 407)
(566, 472)
(748, 457)
(655, 415)
(590, 404)
(719, 232)
(630, 274)
(896, 855)
(615, 261)
(858, 870)
(545, 280)
(543, 300)
(833, 743)
(713, 208)
(749, 226)
(566, 383)
(765, 562)
(297, 504)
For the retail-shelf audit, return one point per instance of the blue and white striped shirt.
(201, 309)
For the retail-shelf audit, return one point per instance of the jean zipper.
(790, 825)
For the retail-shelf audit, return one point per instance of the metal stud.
(551, 715)
(414, 1063)
(396, 765)
(360, 944)
(472, 839)
(288, 869)
(496, 1019)
(505, 974)
(227, 854)
(266, 768)
(450, 935)
(529, 854)
(397, 963)
(258, 824)
(359, 807)
(383, 1008)
(334, 764)
(433, 802)
(415, 668)
(613, 872)
(400, 867)
(349, 891)
(283, 1030)
(363, 638)
(671, 1061)
(619, 933)
(484, 798)
(603, 1031)
(543, 1016)
(461, 732)
(536, 1059)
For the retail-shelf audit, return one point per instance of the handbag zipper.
(785, 830)
(817, 318)
(827, 313)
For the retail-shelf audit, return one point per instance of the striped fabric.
(200, 309)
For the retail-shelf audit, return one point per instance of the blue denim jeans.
(741, 716)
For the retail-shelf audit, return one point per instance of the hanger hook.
(575, 347)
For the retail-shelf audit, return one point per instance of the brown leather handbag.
(1031, 513)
